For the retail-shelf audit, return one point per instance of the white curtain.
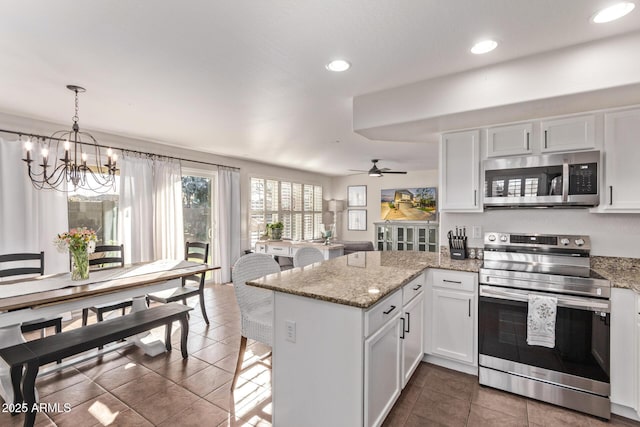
(30, 219)
(135, 212)
(167, 210)
(228, 242)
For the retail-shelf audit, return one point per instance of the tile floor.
(128, 388)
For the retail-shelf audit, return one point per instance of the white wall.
(427, 178)
(611, 234)
(247, 168)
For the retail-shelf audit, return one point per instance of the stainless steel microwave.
(550, 180)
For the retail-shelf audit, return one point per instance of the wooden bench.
(39, 352)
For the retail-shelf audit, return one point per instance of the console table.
(288, 248)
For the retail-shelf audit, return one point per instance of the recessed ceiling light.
(614, 12)
(338, 65)
(484, 47)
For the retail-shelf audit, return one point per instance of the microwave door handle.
(565, 181)
(563, 301)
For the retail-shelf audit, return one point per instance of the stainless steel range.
(575, 372)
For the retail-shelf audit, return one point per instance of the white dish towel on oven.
(541, 321)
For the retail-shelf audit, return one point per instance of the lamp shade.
(336, 205)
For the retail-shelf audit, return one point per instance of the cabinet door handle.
(527, 141)
(393, 307)
(402, 336)
(469, 308)
(417, 287)
(475, 197)
(452, 281)
(545, 139)
(408, 323)
(611, 195)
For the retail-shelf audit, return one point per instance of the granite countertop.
(621, 272)
(360, 279)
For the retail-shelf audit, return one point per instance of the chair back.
(20, 260)
(113, 257)
(249, 267)
(306, 256)
(196, 251)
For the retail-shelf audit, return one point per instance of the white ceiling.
(246, 78)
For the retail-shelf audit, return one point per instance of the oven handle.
(563, 300)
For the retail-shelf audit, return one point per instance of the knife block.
(458, 253)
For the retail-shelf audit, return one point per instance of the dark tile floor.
(128, 388)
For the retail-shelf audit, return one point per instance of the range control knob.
(503, 238)
(564, 241)
(492, 237)
(579, 242)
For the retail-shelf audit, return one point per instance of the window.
(98, 211)
(298, 206)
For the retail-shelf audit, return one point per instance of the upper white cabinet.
(509, 140)
(621, 154)
(568, 134)
(460, 172)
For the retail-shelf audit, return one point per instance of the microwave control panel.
(583, 178)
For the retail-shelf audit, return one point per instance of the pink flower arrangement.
(77, 239)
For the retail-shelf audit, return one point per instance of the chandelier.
(63, 160)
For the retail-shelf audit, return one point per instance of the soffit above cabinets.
(582, 78)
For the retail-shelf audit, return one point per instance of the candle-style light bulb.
(109, 152)
(84, 159)
(28, 145)
(115, 158)
(45, 153)
(67, 145)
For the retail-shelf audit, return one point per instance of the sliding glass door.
(199, 208)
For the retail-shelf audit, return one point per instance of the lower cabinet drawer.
(457, 280)
(278, 250)
(411, 289)
(382, 312)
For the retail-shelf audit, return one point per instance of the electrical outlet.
(477, 232)
(290, 330)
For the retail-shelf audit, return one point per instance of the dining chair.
(256, 305)
(306, 256)
(194, 251)
(105, 257)
(28, 264)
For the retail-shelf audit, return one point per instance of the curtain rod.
(116, 148)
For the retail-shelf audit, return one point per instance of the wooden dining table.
(46, 296)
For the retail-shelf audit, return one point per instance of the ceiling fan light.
(375, 173)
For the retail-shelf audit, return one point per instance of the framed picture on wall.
(357, 195)
(357, 219)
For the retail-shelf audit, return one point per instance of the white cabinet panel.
(572, 133)
(509, 140)
(460, 172)
(621, 156)
(382, 375)
(452, 324)
(624, 359)
(413, 336)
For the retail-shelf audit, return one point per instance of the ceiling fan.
(376, 171)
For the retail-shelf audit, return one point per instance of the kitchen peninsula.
(348, 334)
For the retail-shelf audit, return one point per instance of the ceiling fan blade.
(357, 170)
(400, 172)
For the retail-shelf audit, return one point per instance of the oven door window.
(582, 339)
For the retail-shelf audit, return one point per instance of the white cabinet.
(621, 155)
(509, 140)
(450, 330)
(637, 376)
(412, 334)
(568, 134)
(623, 357)
(460, 172)
(382, 363)
(406, 236)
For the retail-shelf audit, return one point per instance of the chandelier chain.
(75, 117)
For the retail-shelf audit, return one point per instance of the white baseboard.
(451, 364)
(624, 411)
